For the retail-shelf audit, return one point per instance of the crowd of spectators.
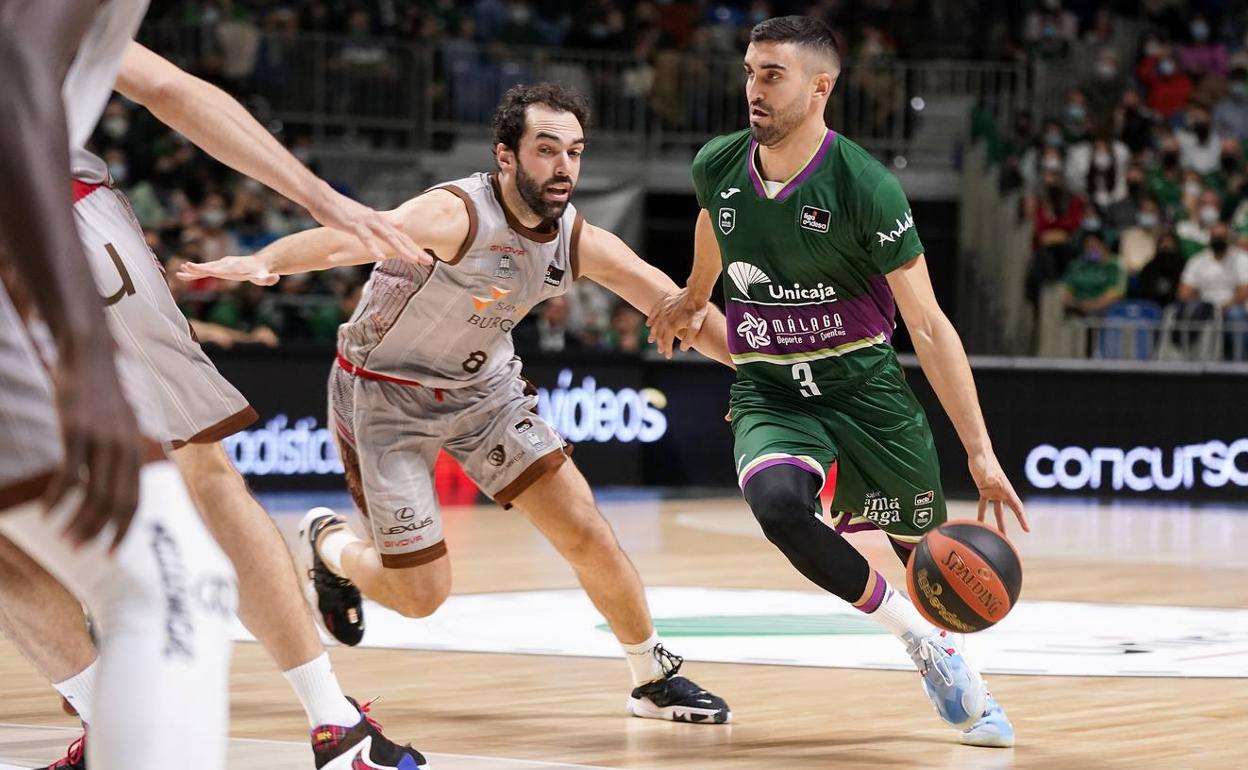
(1137, 191)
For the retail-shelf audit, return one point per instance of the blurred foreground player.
(818, 247)
(73, 464)
(197, 408)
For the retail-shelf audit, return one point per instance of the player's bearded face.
(547, 198)
(771, 123)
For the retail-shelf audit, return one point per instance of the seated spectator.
(1124, 213)
(1167, 87)
(1230, 116)
(1056, 214)
(1047, 153)
(1076, 122)
(1199, 144)
(1158, 281)
(1105, 89)
(1097, 170)
(627, 333)
(1134, 122)
(1165, 180)
(1094, 281)
(1215, 280)
(1194, 229)
(547, 330)
(1137, 242)
(1203, 54)
(1050, 30)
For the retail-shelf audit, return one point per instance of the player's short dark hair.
(509, 119)
(804, 31)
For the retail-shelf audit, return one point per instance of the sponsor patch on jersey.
(925, 498)
(524, 425)
(922, 517)
(504, 270)
(497, 455)
(727, 220)
(815, 219)
(554, 275)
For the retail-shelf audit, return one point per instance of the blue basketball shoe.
(955, 689)
(993, 729)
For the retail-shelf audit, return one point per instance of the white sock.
(79, 690)
(642, 663)
(318, 690)
(332, 544)
(899, 616)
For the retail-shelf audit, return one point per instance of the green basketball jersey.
(807, 303)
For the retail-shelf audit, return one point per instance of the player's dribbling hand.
(674, 316)
(337, 211)
(103, 447)
(229, 269)
(996, 489)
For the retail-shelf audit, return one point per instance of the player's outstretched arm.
(609, 262)
(215, 122)
(678, 313)
(944, 362)
(103, 449)
(437, 219)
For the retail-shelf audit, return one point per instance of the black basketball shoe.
(362, 747)
(675, 697)
(75, 757)
(337, 599)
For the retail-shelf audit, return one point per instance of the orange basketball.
(964, 576)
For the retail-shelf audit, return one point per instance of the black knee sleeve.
(785, 501)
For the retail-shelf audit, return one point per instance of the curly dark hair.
(508, 121)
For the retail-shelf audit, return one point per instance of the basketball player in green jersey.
(818, 247)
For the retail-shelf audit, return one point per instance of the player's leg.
(47, 625)
(164, 603)
(388, 463)
(889, 474)
(517, 458)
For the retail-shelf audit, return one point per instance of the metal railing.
(407, 94)
(1169, 339)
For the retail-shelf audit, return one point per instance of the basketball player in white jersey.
(70, 450)
(427, 362)
(198, 408)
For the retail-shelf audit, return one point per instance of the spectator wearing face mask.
(1158, 281)
(1094, 281)
(1039, 156)
(1200, 146)
(1165, 180)
(1123, 213)
(1076, 122)
(217, 241)
(1203, 216)
(1203, 54)
(1134, 122)
(1137, 242)
(1050, 30)
(1230, 116)
(1168, 88)
(1105, 88)
(1056, 215)
(1097, 171)
(1215, 281)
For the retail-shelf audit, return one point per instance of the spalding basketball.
(964, 576)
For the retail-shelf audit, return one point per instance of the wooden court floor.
(551, 709)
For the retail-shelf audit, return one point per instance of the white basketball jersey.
(448, 325)
(91, 77)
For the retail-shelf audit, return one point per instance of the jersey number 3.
(805, 380)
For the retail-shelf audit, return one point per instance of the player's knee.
(589, 542)
(417, 596)
(782, 500)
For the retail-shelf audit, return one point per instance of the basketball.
(964, 576)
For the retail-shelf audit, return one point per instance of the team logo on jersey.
(754, 330)
(504, 270)
(497, 455)
(727, 220)
(731, 191)
(815, 219)
(554, 275)
(744, 275)
(902, 226)
(496, 294)
(925, 498)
